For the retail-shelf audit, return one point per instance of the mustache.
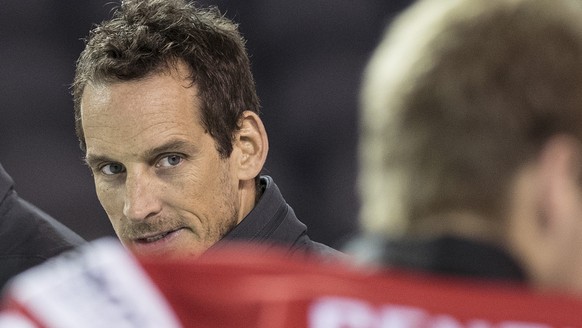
(144, 228)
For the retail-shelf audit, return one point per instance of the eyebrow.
(93, 160)
(168, 147)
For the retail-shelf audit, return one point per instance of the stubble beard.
(214, 230)
(230, 220)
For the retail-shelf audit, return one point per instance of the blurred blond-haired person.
(471, 142)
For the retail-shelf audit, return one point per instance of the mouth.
(154, 238)
(158, 238)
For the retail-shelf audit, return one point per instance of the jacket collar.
(448, 255)
(272, 220)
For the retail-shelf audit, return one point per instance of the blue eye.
(170, 161)
(113, 168)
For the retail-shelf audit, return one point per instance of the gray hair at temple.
(457, 97)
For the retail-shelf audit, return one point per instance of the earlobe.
(252, 145)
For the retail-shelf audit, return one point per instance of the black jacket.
(28, 236)
(273, 222)
(447, 255)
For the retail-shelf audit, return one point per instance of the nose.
(141, 196)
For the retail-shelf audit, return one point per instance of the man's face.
(157, 172)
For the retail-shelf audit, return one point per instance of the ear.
(556, 230)
(252, 144)
(560, 164)
(546, 210)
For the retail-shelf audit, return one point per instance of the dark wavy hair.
(145, 37)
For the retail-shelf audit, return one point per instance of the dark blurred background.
(307, 57)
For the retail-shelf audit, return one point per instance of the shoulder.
(324, 250)
(308, 247)
(28, 231)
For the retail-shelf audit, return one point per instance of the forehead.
(138, 114)
(170, 83)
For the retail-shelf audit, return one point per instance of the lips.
(156, 237)
(152, 239)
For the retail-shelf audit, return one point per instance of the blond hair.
(458, 96)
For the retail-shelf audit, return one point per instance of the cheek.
(187, 192)
(200, 189)
(196, 179)
(111, 199)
